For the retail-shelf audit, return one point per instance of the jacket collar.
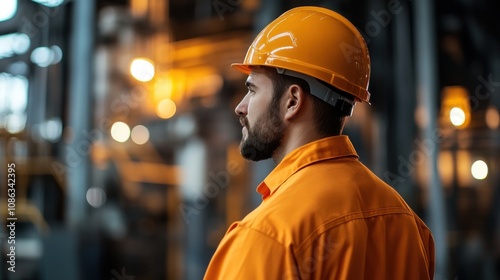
(320, 150)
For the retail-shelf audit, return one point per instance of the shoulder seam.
(262, 233)
(351, 217)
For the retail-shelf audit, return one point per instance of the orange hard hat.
(316, 42)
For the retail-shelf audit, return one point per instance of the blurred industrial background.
(118, 116)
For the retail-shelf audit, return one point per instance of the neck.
(296, 136)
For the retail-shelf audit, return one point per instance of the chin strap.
(344, 105)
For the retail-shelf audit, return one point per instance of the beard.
(265, 137)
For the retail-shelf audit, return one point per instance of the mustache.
(243, 121)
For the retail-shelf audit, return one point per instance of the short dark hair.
(329, 121)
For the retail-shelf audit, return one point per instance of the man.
(324, 215)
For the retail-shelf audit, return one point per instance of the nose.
(241, 108)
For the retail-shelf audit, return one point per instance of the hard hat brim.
(241, 67)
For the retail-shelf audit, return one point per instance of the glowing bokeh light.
(8, 10)
(49, 3)
(166, 109)
(457, 116)
(15, 123)
(479, 170)
(140, 134)
(42, 56)
(142, 69)
(51, 130)
(13, 44)
(120, 132)
(492, 118)
(96, 197)
(45, 56)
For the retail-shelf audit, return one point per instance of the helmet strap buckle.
(344, 105)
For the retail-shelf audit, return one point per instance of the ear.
(295, 102)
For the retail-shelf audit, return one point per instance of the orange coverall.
(324, 215)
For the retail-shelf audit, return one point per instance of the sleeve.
(246, 253)
(428, 243)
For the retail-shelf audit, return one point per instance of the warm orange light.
(170, 85)
(492, 118)
(139, 8)
(456, 105)
(166, 109)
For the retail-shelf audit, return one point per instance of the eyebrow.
(250, 85)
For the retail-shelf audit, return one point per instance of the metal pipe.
(404, 96)
(77, 155)
(426, 81)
